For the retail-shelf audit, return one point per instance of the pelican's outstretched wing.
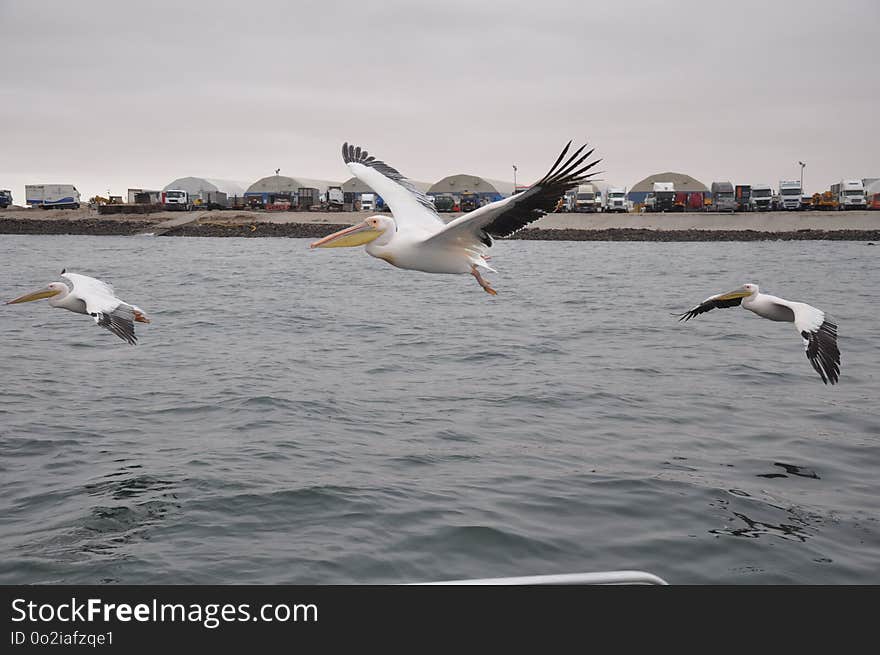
(102, 304)
(409, 205)
(504, 217)
(820, 339)
(721, 300)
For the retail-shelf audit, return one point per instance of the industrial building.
(463, 184)
(280, 189)
(207, 190)
(681, 182)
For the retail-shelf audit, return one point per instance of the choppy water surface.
(296, 416)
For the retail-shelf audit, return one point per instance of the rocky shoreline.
(105, 227)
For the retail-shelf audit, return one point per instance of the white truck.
(587, 199)
(762, 198)
(615, 200)
(368, 202)
(850, 194)
(789, 195)
(176, 200)
(47, 196)
(333, 199)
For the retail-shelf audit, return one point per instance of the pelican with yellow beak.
(87, 295)
(819, 334)
(416, 238)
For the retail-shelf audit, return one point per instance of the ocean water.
(296, 416)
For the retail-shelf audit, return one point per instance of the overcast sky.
(113, 94)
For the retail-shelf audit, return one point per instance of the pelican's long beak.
(35, 295)
(733, 295)
(356, 235)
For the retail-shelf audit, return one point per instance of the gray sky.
(112, 94)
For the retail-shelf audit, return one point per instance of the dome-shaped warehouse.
(280, 189)
(282, 184)
(196, 185)
(680, 181)
(462, 183)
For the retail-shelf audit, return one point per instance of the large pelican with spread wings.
(416, 238)
(87, 295)
(819, 334)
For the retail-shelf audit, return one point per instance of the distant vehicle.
(661, 198)
(444, 202)
(722, 197)
(307, 197)
(615, 200)
(208, 200)
(5, 198)
(695, 200)
(826, 201)
(806, 202)
(368, 202)
(742, 193)
(789, 195)
(850, 194)
(176, 200)
(761, 198)
(333, 199)
(47, 196)
(587, 199)
(469, 202)
(679, 201)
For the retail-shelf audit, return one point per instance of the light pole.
(514, 178)
(802, 176)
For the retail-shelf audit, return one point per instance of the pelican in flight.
(416, 238)
(819, 334)
(86, 295)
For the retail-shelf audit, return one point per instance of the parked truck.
(176, 200)
(368, 202)
(722, 197)
(333, 199)
(615, 200)
(850, 194)
(587, 199)
(5, 198)
(742, 193)
(762, 198)
(661, 198)
(48, 196)
(789, 195)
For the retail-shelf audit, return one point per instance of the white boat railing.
(601, 577)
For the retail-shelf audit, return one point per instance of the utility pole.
(514, 178)
(802, 176)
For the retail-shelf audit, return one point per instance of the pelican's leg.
(476, 273)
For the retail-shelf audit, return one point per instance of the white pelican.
(86, 295)
(416, 238)
(819, 334)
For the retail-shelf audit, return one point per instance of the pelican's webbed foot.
(486, 287)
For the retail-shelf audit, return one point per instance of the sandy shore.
(853, 225)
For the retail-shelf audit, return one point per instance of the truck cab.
(469, 201)
(851, 195)
(742, 193)
(176, 200)
(368, 202)
(662, 197)
(789, 195)
(5, 198)
(586, 199)
(762, 197)
(722, 197)
(615, 200)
